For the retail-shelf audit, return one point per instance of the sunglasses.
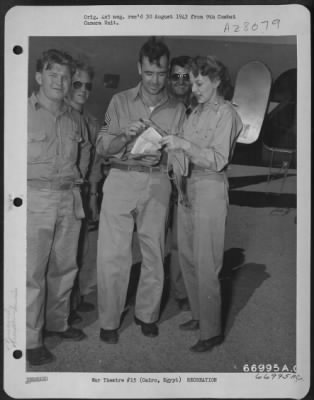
(78, 84)
(177, 77)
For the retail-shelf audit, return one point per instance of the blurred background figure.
(179, 87)
(86, 280)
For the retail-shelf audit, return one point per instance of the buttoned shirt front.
(127, 107)
(212, 129)
(54, 142)
(93, 126)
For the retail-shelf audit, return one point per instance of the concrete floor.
(259, 297)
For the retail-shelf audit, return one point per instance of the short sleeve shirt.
(127, 107)
(53, 143)
(213, 128)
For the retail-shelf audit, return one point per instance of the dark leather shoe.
(74, 318)
(192, 325)
(183, 304)
(70, 334)
(148, 329)
(207, 345)
(39, 355)
(109, 335)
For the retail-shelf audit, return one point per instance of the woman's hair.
(213, 68)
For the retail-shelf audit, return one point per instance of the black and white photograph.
(160, 202)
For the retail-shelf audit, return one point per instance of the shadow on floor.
(261, 199)
(238, 283)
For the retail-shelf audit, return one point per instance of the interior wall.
(118, 55)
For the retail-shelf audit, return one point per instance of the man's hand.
(134, 129)
(173, 142)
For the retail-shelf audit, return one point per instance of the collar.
(37, 105)
(136, 93)
(210, 106)
(34, 101)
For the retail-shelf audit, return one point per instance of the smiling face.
(153, 76)
(180, 81)
(54, 83)
(203, 88)
(81, 88)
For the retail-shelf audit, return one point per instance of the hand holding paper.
(147, 142)
(174, 142)
(134, 129)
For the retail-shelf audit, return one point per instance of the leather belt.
(139, 168)
(52, 185)
(197, 168)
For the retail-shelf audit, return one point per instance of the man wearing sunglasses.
(86, 280)
(136, 191)
(179, 84)
(179, 87)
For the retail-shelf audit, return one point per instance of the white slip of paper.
(147, 142)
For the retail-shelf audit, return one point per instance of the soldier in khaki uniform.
(54, 206)
(81, 87)
(209, 137)
(137, 190)
(179, 88)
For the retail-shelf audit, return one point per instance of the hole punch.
(17, 202)
(17, 354)
(17, 50)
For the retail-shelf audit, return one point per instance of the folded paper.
(147, 142)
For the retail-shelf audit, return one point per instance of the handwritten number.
(276, 22)
(267, 23)
(254, 27)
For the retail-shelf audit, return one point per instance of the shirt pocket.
(37, 146)
(203, 137)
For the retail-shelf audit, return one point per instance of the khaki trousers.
(52, 239)
(87, 277)
(201, 232)
(177, 281)
(129, 197)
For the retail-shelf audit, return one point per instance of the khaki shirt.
(127, 107)
(54, 144)
(212, 129)
(95, 173)
(93, 126)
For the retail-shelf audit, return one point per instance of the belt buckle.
(143, 168)
(66, 185)
(138, 168)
